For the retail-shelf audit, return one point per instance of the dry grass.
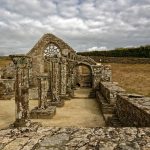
(4, 61)
(135, 78)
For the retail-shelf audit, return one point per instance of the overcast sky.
(83, 24)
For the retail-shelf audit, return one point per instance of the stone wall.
(7, 72)
(122, 109)
(109, 90)
(133, 110)
(37, 53)
(101, 73)
(6, 88)
(106, 97)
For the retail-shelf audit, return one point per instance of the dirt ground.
(77, 112)
(7, 112)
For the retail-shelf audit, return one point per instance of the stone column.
(45, 110)
(22, 66)
(72, 81)
(63, 79)
(98, 75)
(42, 91)
(56, 75)
(69, 80)
(39, 92)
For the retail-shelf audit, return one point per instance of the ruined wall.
(101, 73)
(133, 110)
(110, 90)
(122, 109)
(37, 52)
(6, 88)
(7, 72)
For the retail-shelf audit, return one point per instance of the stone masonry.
(122, 109)
(40, 138)
(133, 110)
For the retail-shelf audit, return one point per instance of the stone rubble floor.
(56, 138)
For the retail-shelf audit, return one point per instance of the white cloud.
(95, 48)
(82, 24)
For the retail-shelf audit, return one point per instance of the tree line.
(141, 52)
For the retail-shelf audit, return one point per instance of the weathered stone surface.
(106, 138)
(16, 144)
(133, 110)
(110, 90)
(39, 113)
(6, 88)
(123, 109)
(106, 96)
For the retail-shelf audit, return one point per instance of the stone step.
(92, 94)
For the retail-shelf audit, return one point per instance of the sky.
(83, 24)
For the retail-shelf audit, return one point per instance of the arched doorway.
(83, 76)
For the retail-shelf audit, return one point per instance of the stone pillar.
(42, 91)
(97, 75)
(39, 92)
(63, 76)
(107, 73)
(22, 66)
(56, 75)
(44, 109)
(73, 80)
(70, 80)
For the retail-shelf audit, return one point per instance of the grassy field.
(135, 78)
(4, 61)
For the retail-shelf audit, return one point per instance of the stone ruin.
(49, 73)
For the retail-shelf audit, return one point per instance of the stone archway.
(83, 75)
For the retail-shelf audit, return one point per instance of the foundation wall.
(123, 109)
(133, 110)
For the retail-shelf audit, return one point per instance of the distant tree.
(141, 52)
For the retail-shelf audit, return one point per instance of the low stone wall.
(6, 88)
(109, 90)
(123, 109)
(106, 97)
(133, 110)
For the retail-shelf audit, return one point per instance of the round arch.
(83, 79)
(84, 64)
